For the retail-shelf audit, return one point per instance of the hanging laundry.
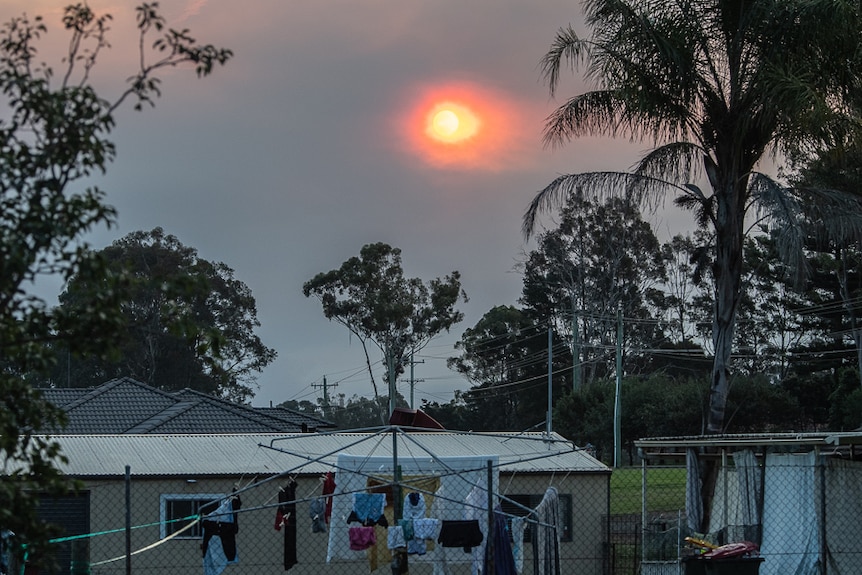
(219, 529)
(414, 508)
(328, 490)
(361, 537)
(476, 507)
(395, 538)
(546, 551)
(502, 560)
(316, 511)
(460, 533)
(215, 561)
(368, 509)
(518, 525)
(285, 517)
(427, 528)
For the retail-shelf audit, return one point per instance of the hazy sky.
(312, 142)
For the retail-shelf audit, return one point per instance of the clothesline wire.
(296, 468)
(386, 482)
(382, 433)
(151, 545)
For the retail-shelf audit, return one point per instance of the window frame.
(165, 500)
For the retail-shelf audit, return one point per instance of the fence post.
(128, 520)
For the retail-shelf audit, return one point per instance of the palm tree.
(714, 85)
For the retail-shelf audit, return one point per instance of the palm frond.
(675, 162)
(781, 209)
(838, 214)
(567, 47)
(641, 190)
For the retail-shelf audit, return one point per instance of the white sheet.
(790, 510)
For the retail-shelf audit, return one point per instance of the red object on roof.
(404, 417)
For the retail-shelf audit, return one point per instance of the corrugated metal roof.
(265, 454)
(752, 440)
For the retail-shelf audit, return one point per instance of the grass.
(665, 490)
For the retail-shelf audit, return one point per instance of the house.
(171, 478)
(124, 405)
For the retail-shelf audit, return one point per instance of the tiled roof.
(127, 406)
(62, 396)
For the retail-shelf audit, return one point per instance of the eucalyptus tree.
(186, 322)
(601, 258)
(370, 296)
(500, 356)
(714, 86)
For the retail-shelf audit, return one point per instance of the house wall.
(261, 547)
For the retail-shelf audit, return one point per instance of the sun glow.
(462, 126)
(451, 122)
(445, 123)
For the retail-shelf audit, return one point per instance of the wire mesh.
(802, 510)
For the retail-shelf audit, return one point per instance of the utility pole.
(413, 382)
(576, 349)
(325, 394)
(390, 373)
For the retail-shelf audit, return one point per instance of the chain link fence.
(803, 510)
(539, 523)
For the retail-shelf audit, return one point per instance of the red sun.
(458, 126)
(451, 123)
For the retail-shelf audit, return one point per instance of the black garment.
(466, 534)
(225, 530)
(287, 507)
(381, 521)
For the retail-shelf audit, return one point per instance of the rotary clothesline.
(440, 467)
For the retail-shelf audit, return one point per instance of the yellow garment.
(426, 484)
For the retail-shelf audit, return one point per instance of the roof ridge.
(241, 410)
(93, 393)
(295, 412)
(145, 426)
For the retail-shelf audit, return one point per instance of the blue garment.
(503, 556)
(414, 508)
(368, 507)
(215, 561)
(316, 511)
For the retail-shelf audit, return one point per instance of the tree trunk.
(730, 217)
(729, 233)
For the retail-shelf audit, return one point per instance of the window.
(530, 502)
(175, 509)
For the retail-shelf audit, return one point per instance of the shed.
(796, 495)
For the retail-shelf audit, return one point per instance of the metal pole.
(644, 509)
(820, 464)
(617, 399)
(128, 520)
(489, 552)
(548, 425)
